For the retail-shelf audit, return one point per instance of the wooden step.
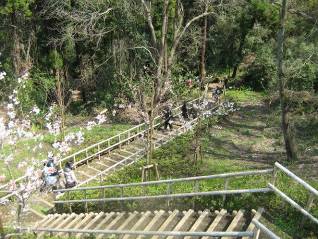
(200, 224)
(235, 223)
(155, 222)
(185, 223)
(140, 224)
(169, 223)
(216, 222)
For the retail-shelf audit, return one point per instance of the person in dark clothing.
(168, 119)
(184, 111)
(70, 178)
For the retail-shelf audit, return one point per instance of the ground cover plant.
(230, 144)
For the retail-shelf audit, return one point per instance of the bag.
(70, 185)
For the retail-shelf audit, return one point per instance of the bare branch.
(150, 24)
(180, 35)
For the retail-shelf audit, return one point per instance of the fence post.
(257, 233)
(98, 149)
(104, 197)
(100, 193)
(196, 189)
(275, 173)
(121, 195)
(86, 204)
(169, 191)
(69, 204)
(309, 204)
(1, 226)
(74, 159)
(226, 185)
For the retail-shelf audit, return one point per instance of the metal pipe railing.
(167, 181)
(293, 203)
(170, 196)
(233, 234)
(297, 179)
(264, 229)
(140, 129)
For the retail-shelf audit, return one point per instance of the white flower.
(10, 106)
(69, 137)
(35, 110)
(114, 112)
(3, 132)
(90, 125)
(2, 75)
(101, 118)
(11, 114)
(29, 171)
(56, 145)
(11, 124)
(80, 138)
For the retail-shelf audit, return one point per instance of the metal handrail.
(293, 203)
(297, 179)
(233, 234)
(264, 229)
(167, 181)
(85, 150)
(170, 196)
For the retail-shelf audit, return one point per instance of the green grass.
(23, 149)
(244, 95)
(248, 139)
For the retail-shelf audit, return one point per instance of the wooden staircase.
(160, 221)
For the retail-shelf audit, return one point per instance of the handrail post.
(196, 189)
(98, 149)
(121, 196)
(226, 185)
(69, 204)
(104, 196)
(86, 204)
(257, 233)
(275, 173)
(309, 204)
(169, 191)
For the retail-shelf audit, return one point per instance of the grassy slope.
(249, 139)
(23, 150)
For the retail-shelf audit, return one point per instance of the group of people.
(51, 175)
(185, 113)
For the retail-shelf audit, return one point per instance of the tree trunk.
(203, 49)
(16, 51)
(287, 130)
(60, 99)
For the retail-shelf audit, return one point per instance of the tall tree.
(164, 49)
(285, 120)
(203, 47)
